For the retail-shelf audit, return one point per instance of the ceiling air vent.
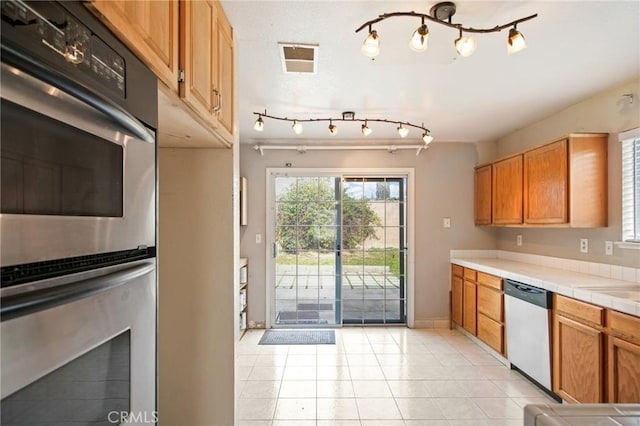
(299, 58)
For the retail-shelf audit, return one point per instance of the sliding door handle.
(274, 250)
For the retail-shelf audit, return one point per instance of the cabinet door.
(456, 296)
(225, 74)
(483, 195)
(491, 332)
(149, 28)
(198, 41)
(546, 184)
(623, 371)
(507, 191)
(490, 303)
(469, 307)
(578, 361)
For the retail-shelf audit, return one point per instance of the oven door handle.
(27, 303)
(77, 90)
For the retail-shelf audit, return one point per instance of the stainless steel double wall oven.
(77, 221)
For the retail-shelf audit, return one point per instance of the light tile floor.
(380, 376)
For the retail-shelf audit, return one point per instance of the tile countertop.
(623, 296)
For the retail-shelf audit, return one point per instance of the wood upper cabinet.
(482, 202)
(578, 351)
(623, 358)
(565, 182)
(206, 56)
(507, 191)
(188, 44)
(546, 184)
(149, 29)
(198, 41)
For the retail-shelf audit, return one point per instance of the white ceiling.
(575, 49)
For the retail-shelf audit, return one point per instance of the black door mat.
(298, 337)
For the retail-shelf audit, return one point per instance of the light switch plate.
(446, 222)
(258, 238)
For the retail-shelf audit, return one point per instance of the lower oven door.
(82, 351)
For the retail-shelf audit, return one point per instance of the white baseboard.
(432, 323)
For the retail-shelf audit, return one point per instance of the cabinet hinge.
(180, 76)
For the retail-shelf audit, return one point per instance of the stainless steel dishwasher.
(527, 317)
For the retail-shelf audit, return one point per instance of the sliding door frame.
(270, 237)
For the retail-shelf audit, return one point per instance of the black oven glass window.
(92, 389)
(51, 168)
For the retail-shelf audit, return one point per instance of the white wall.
(608, 112)
(443, 187)
(197, 298)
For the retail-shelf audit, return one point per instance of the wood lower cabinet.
(490, 316)
(506, 190)
(469, 300)
(578, 351)
(456, 299)
(623, 358)
(482, 202)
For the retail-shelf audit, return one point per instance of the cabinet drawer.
(491, 332)
(579, 310)
(456, 270)
(470, 274)
(624, 325)
(490, 280)
(490, 303)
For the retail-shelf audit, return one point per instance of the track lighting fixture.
(347, 116)
(515, 42)
(403, 131)
(332, 128)
(420, 38)
(259, 126)
(297, 127)
(427, 138)
(441, 13)
(465, 45)
(371, 45)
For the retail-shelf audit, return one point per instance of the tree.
(311, 206)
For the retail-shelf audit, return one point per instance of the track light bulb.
(427, 138)
(419, 39)
(371, 45)
(259, 126)
(403, 131)
(332, 129)
(515, 42)
(297, 128)
(465, 45)
(366, 131)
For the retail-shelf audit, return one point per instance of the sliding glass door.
(339, 254)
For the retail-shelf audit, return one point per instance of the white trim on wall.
(409, 172)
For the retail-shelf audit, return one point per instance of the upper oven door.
(77, 171)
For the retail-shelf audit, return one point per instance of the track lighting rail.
(344, 117)
(495, 29)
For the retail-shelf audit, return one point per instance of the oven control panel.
(49, 25)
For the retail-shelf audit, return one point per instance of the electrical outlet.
(518, 240)
(258, 238)
(446, 222)
(584, 245)
(608, 248)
